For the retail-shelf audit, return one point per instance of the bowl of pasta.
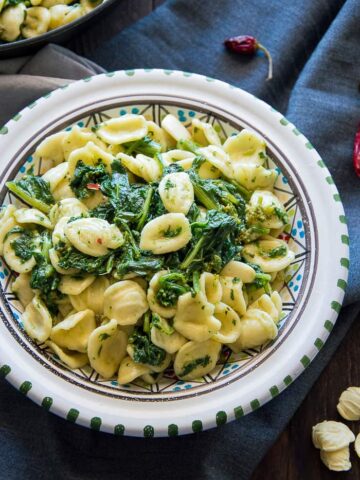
(26, 25)
(165, 242)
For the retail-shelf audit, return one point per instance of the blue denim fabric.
(316, 76)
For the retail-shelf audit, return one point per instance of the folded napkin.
(315, 86)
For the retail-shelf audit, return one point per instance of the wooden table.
(292, 457)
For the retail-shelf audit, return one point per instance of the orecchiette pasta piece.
(96, 199)
(254, 177)
(232, 294)
(211, 287)
(21, 288)
(90, 154)
(154, 368)
(207, 170)
(79, 138)
(71, 358)
(63, 190)
(171, 343)
(157, 134)
(68, 207)
(218, 159)
(106, 349)
(204, 134)
(150, 169)
(125, 301)
(54, 259)
(36, 22)
(14, 262)
(175, 128)
(65, 307)
(151, 378)
(196, 359)
(279, 281)
(230, 324)
(50, 152)
(257, 327)
(331, 436)
(246, 148)
(269, 203)
(176, 192)
(93, 236)
(357, 445)
(129, 371)
(74, 331)
(126, 128)
(89, 5)
(92, 297)
(33, 216)
(75, 285)
(63, 14)
(55, 175)
(36, 3)
(337, 461)
(241, 270)
(349, 404)
(194, 317)
(155, 306)
(37, 320)
(7, 222)
(58, 234)
(271, 305)
(182, 157)
(165, 234)
(11, 20)
(271, 254)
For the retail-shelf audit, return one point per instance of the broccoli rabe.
(24, 245)
(87, 179)
(198, 362)
(144, 350)
(72, 258)
(171, 286)
(161, 324)
(34, 191)
(262, 279)
(146, 146)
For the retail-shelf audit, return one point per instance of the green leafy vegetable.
(171, 286)
(86, 178)
(198, 362)
(161, 324)
(144, 350)
(34, 191)
(146, 146)
(72, 258)
(24, 245)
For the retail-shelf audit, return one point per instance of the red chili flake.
(285, 237)
(93, 186)
(356, 152)
(248, 45)
(99, 241)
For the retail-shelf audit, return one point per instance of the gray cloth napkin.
(315, 85)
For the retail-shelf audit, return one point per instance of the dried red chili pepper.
(93, 186)
(356, 152)
(248, 45)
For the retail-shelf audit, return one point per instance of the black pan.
(59, 35)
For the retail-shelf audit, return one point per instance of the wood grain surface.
(293, 456)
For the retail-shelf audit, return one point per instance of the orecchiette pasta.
(106, 348)
(37, 21)
(165, 234)
(349, 404)
(74, 331)
(144, 247)
(125, 301)
(11, 20)
(337, 461)
(196, 359)
(37, 320)
(330, 436)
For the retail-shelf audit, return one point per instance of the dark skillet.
(59, 35)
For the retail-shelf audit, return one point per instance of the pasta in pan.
(142, 247)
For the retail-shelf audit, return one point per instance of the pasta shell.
(63, 14)
(72, 359)
(254, 177)
(260, 253)
(79, 138)
(56, 175)
(337, 461)
(125, 301)
(165, 234)
(106, 349)
(211, 287)
(267, 200)
(70, 285)
(218, 159)
(174, 128)
(170, 343)
(330, 436)
(11, 20)
(232, 294)
(154, 368)
(21, 288)
(73, 332)
(246, 148)
(93, 236)
(271, 305)
(204, 133)
(54, 259)
(13, 261)
(50, 152)
(176, 192)
(148, 168)
(37, 21)
(67, 207)
(7, 222)
(91, 154)
(194, 317)
(37, 320)
(32, 216)
(349, 404)
(230, 324)
(129, 371)
(196, 359)
(126, 128)
(92, 297)
(241, 270)
(155, 306)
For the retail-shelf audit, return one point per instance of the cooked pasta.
(27, 19)
(144, 246)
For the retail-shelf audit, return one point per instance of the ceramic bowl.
(312, 294)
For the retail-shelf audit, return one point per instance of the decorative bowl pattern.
(129, 403)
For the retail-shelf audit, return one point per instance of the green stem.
(33, 202)
(146, 209)
(192, 254)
